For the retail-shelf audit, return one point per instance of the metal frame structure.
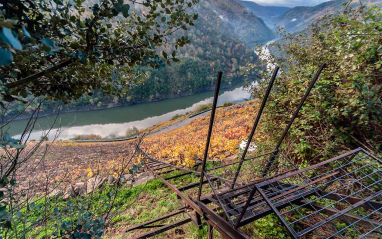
(337, 198)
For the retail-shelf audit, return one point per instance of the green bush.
(226, 104)
(132, 132)
(344, 108)
(44, 138)
(87, 137)
(175, 117)
(267, 227)
(202, 108)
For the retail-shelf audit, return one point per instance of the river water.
(114, 122)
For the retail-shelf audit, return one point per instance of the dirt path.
(180, 123)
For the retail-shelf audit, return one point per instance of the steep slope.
(298, 18)
(269, 14)
(244, 25)
(209, 51)
(220, 40)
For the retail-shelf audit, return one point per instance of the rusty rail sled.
(336, 198)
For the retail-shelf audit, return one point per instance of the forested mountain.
(209, 51)
(298, 18)
(269, 14)
(221, 39)
(244, 25)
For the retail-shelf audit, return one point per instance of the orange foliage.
(70, 162)
(181, 146)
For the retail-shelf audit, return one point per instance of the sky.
(289, 3)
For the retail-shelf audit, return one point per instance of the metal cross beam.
(317, 199)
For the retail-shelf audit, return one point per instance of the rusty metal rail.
(339, 197)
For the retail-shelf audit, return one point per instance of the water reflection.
(115, 121)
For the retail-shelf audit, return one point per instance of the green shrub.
(226, 104)
(202, 108)
(267, 227)
(132, 132)
(344, 109)
(44, 138)
(87, 137)
(175, 117)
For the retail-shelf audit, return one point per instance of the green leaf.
(74, 45)
(13, 182)
(6, 57)
(25, 32)
(8, 38)
(125, 10)
(86, 236)
(48, 42)
(122, 8)
(49, 46)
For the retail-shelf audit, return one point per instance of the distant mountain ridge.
(269, 14)
(299, 18)
(244, 25)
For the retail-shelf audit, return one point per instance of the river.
(114, 122)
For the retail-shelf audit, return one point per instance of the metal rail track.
(317, 200)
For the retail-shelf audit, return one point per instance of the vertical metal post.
(255, 124)
(272, 158)
(210, 231)
(217, 88)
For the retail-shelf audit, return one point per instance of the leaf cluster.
(63, 49)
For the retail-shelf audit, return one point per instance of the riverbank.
(88, 108)
(176, 122)
(114, 122)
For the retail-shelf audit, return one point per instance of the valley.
(190, 119)
(116, 121)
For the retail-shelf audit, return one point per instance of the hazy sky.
(289, 3)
